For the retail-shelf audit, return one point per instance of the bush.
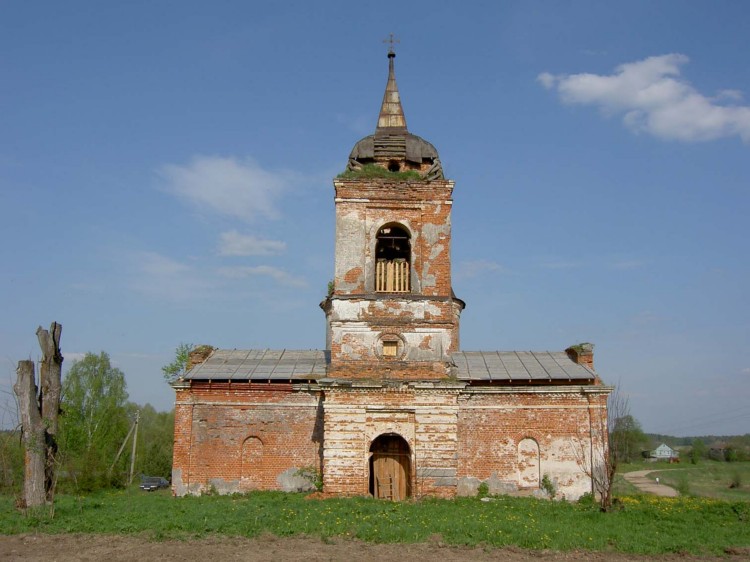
(313, 475)
(683, 486)
(11, 461)
(548, 486)
(736, 479)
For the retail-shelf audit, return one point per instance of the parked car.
(151, 483)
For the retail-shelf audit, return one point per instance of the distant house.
(662, 453)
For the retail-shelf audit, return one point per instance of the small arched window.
(393, 257)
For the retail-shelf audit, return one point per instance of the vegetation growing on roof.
(370, 171)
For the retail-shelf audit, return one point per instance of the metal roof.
(285, 364)
(261, 364)
(521, 366)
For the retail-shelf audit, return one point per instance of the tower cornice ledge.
(386, 183)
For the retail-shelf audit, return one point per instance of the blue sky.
(166, 167)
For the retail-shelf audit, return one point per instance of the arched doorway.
(390, 468)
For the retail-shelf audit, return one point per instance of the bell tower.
(392, 312)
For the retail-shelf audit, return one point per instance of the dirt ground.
(119, 548)
(640, 480)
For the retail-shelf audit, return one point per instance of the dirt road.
(64, 548)
(639, 480)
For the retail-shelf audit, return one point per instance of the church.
(392, 407)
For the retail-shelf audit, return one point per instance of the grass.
(641, 465)
(369, 171)
(644, 525)
(622, 487)
(711, 479)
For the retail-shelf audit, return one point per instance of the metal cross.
(392, 42)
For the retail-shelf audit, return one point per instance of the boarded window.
(390, 349)
(393, 258)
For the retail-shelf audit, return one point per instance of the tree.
(628, 439)
(185, 355)
(39, 408)
(155, 440)
(595, 449)
(11, 461)
(94, 421)
(178, 367)
(698, 451)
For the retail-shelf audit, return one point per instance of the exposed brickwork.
(427, 318)
(426, 418)
(389, 387)
(583, 354)
(198, 355)
(493, 422)
(240, 437)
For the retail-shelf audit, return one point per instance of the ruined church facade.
(392, 407)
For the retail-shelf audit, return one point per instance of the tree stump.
(39, 408)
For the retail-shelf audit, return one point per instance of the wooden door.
(390, 474)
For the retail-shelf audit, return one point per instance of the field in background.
(720, 480)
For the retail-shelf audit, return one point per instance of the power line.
(708, 419)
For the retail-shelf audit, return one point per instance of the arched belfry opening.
(393, 259)
(390, 467)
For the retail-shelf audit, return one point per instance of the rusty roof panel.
(261, 364)
(509, 366)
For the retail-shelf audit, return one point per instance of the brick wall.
(427, 318)
(363, 206)
(425, 418)
(238, 437)
(494, 423)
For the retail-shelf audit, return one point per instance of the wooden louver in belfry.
(392, 276)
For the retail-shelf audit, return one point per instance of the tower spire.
(391, 116)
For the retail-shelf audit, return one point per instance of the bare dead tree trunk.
(50, 378)
(39, 408)
(595, 450)
(33, 432)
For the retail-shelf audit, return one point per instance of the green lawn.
(644, 465)
(622, 487)
(710, 479)
(646, 525)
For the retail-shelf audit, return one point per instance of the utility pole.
(135, 441)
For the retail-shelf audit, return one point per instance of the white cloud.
(559, 264)
(263, 270)
(654, 99)
(163, 277)
(235, 244)
(237, 188)
(475, 268)
(72, 357)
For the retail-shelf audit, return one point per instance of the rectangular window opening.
(390, 348)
